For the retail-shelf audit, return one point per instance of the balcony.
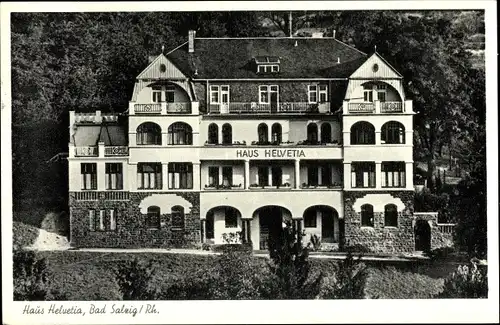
(391, 107)
(361, 107)
(116, 151)
(86, 151)
(163, 108)
(281, 108)
(178, 108)
(147, 108)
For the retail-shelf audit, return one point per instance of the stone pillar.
(347, 176)
(409, 175)
(378, 174)
(203, 230)
(247, 174)
(378, 138)
(249, 230)
(297, 173)
(164, 175)
(196, 176)
(244, 231)
(270, 176)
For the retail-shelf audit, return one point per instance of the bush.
(315, 243)
(346, 282)
(223, 248)
(357, 248)
(23, 235)
(441, 252)
(134, 280)
(31, 281)
(469, 281)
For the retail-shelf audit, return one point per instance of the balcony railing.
(361, 108)
(391, 107)
(116, 151)
(256, 108)
(179, 108)
(86, 151)
(446, 228)
(147, 108)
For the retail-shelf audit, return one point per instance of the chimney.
(191, 36)
(98, 117)
(334, 32)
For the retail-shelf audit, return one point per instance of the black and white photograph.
(273, 154)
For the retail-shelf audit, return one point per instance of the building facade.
(226, 139)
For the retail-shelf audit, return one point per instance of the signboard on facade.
(270, 153)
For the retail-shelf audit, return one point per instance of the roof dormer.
(267, 64)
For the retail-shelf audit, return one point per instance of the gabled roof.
(234, 58)
(154, 69)
(385, 70)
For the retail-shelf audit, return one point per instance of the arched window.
(367, 215)
(312, 133)
(262, 131)
(180, 133)
(326, 133)
(213, 134)
(393, 132)
(391, 215)
(148, 133)
(227, 134)
(276, 133)
(362, 133)
(177, 216)
(153, 217)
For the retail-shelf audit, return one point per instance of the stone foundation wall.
(131, 230)
(438, 239)
(379, 239)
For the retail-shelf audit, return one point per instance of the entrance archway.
(323, 221)
(271, 222)
(223, 223)
(422, 236)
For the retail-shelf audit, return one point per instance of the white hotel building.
(230, 137)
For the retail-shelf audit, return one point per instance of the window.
(153, 217)
(381, 92)
(112, 220)
(393, 174)
(163, 68)
(177, 216)
(89, 176)
(263, 94)
(114, 176)
(326, 175)
(227, 175)
(313, 94)
(263, 176)
(391, 215)
(262, 131)
(268, 68)
(219, 94)
(101, 226)
(277, 176)
(180, 133)
(368, 93)
(362, 133)
(214, 95)
(312, 133)
(92, 220)
(180, 175)
(231, 218)
(213, 134)
(227, 134)
(157, 98)
(367, 215)
(276, 133)
(148, 134)
(149, 176)
(363, 174)
(326, 133)
(312, 175)
(323, 93)
(310, 219)
(393, 133)
(317, 93)
(213, 176)
(170, 94)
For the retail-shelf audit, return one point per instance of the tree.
(134, 280)
(287, 22)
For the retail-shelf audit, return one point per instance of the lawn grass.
(90, 275)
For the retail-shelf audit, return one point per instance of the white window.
(393, 174)
(92, 220)
(313, 94)
(112, 220)
(170, 94)
(101, 220)
(214, 94)
(157, 91)
(219, 94)
(263, 94)
(381, 92)
(323, 93)
(268, 68)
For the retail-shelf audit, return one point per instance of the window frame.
(229, 222)
(363, 133)
(389, 171)
(177, 213)
(358, 170)
(311, 219)
(215, 176)
(310, 92)
(213, 133)
(156, 175)
(92, 178)
(184, 170)
(154, 224)
(146, 130)
(391, 215)
(367, 216)
(227, 174)
(109, 176)
(175, 133)
(156, 91)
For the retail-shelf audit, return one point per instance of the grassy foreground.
(90, 275)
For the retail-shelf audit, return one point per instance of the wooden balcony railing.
(391, 107)
(86, 151)
(116, 151)
(361, 108)
(147, 108)
(179, 108)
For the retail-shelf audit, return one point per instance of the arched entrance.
(223, 225)
(271, 222)
(422, 236)
(322, 221)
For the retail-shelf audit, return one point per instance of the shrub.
(134, 280)
(232, 237)
(357, 248)
(469, 281)
(23, 235)
(222, 248)
(315, 242)
(31, 282)
(346, 282)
